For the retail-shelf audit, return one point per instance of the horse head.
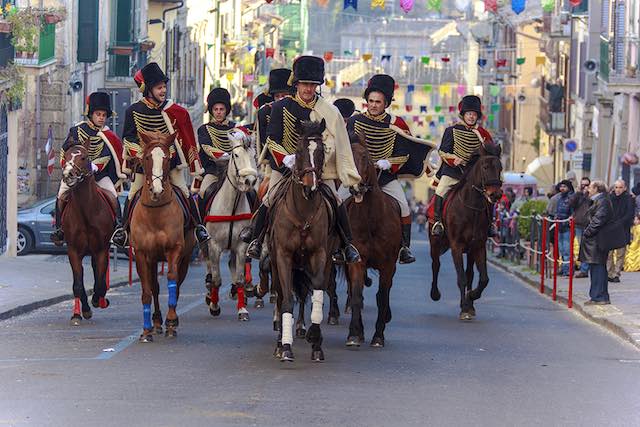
(77, 165)
(310, 156)
(485, 173)
(156, 159)
(365, 166)
(241, 171)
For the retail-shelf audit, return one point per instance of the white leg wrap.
(316, 306)
(287, 328)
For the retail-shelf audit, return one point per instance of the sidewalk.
(622, 316)
(33, 281)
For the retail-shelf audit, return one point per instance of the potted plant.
(121, 50)
(26, 31)
(14, 94)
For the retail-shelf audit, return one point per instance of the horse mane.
(493, 150)
(359, 139)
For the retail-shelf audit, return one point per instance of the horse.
(377, 233)
(467, 216)
(229, 213)
(87, 222)
(160, 231)
(300, 241)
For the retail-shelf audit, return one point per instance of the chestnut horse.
(159, 233)
(467, 216)
(377, 233)
(87, 222)
(300, 242)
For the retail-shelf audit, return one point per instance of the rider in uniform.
(346, 107)
(154, 112)
(459, 142)
(282, 137)
(105, 153)
(392, 148)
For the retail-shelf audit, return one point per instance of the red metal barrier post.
(555, 260)
(572, 233)
(543, 256)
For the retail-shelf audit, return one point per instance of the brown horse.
(377, 233)
(159, 233)
(466, 217)
(87, 222)
(300, 242)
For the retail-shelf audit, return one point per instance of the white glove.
(94, 168)
(289, 160)
(224, 156)
(383, 164)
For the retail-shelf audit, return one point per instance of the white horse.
(229, 214)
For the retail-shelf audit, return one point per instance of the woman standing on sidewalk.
(599, 214)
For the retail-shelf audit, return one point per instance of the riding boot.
(57, 237)
(120, 235)
(260, 219)
(118, 214)
(438, 228)
(406, 257)
(351, 254)
(202, 235)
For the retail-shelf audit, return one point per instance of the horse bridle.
(483, 190)
(82, 173)
(298, 175)
(235, 167)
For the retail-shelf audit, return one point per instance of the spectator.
(421, 217)
(636, 195)
(502, 213)
(553, 196)
(580, 204)
(525, 197)
(623, 212)
(600, 213)
(563, 212)
(511, 195)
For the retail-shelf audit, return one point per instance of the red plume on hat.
(139, 79)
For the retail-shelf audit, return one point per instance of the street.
(523, 361)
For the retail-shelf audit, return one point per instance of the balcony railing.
(46, 53)
(620, 63)
(553, 122)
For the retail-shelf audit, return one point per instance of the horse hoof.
(233, 294)
(287, 354)
(332, 320)
(76, 320)
(377, 342)
(250, 292)
(157, 330)
(104, 303)
(272, 299)
(145, 337)
(259, 303)
(243, 317)
(171, 333)
(354, 341)
(87, 314)
(472, 312)
(466, 317)
(215, 311)
(435, 295)
(94, 302)
(301, 333)
(317, 355)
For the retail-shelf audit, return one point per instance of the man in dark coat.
(580, 204)
(600, 213)
(623, 212)
(562, 213)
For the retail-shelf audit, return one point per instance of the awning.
(542, 169)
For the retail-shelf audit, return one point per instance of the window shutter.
(88, 31)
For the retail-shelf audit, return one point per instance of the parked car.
(35, 225)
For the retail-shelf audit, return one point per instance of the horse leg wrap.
(247, 272)
(287, 328)
(316, 306)
(173, 293)
(240, 290)
(214, 294)
(76, 306)
(146, 316)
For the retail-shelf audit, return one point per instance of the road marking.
(127, 341)
(46, 359)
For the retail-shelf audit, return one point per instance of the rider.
(346, 107)
(213, 138)
(282, 137)
(154, 112)
(105, 152)
(391, 147)
(459, 142)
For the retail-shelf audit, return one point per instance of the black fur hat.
(307, 69)
(261, 99)
(346, 107)
(152, 74)
(219, 95)
(99, 101)
(382, 83)
(279, 81)
(470, 103)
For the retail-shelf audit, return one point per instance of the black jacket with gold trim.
(282, 135)
(213, 139)
(263, 117)
(388, 137)
(460, 141)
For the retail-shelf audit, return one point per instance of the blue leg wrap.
(173, 293)
(146, 314)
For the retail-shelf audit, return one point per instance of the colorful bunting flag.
(423, 108)
(396, 86)
(322, 3)
(367, 56)
(494, 90)
(518, 6)
(386, 58)
(395, 107)
(411, 88)
(482, 62)
(440, 119)
(262, 80)
(328, 56)
(270, 52)
(348, 53)
(445, 59)
(406, 5)
(377, 3)
(491, 5)
(462, 89)
(548, 5)
(416, 118)
(520, 60)
(575, 3)
(541, 59)
(434, 5)
(351, 3)
(425, 60)
(408, 58)
(452, 108)
(495, 108)
(501, 62)
(291, 53)
(408, 108)
(491, 117)
(438, 108)
(427, 88)
(229, 76)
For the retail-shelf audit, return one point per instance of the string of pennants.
(426, 59)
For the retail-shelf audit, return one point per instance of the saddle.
(182, 201)
(431, 208)
(214, 189)
(106, 197)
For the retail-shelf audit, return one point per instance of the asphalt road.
(523, 361)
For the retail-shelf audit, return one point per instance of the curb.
(607, 324)
(27, 308)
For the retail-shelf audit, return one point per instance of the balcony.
(551, 98)
(619, 64)
(556, 26)
(46, 52)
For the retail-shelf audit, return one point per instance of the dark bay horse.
(466, 217)
(87, 222)
(377, 233)
(159, 233)
(300, 242)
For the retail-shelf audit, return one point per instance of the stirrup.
(202, 235)
(437, 229)
(254, 250)
(351, 254)
(246, 234)
(338, 257)
(119, 238)
(57, 237)
(406, 257)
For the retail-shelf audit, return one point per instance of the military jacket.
(213, 139)
(460, 141)
(282, 132)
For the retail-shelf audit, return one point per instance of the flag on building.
(51, 155)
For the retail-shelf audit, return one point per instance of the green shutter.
(47, 46)
(123, 22)
(88, 30)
